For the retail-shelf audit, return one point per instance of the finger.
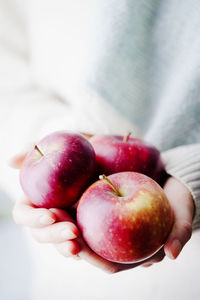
(87, 135)
(88, 255)
(107, 266)
(55, 233)
(156, 258)
(147, 265)
(62, 215)
(17, 161)
(68, 248)
(182, 204)
(24, 213)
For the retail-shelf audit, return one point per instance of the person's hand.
(182, 204)
(56, 226)
(53, 226)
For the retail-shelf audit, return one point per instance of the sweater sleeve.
(183, 163)
(24, 106)
(28, 110)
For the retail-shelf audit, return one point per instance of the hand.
(182, 205)
(53, 226)
(181, 202)
(47, 225)
(56, 226)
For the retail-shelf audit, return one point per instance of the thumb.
(182, 205)
(17, 161)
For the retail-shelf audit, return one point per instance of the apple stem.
(38, 149)
(103, 177)
(126, 137)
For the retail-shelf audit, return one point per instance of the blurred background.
(15, 261)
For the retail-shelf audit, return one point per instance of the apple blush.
(120, 154)
(57, 170)
(124, 217)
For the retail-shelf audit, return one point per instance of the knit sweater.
(88, 67)
(104, 67)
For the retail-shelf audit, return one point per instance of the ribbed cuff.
(183, 163)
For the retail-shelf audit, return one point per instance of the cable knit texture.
(132, 68)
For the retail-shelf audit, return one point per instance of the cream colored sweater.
(104, 67)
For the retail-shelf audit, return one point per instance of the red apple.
(118, 154)
(57, 170)
(125, 220)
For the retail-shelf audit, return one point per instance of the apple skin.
(125, 229)
(114, 155)
(58, 177)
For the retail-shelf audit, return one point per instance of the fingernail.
(68, 234)
(146, 265)
(175, 249)
(46, 220)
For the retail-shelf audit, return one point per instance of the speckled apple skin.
(58, 178)
(114, 155)
(125, 229)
